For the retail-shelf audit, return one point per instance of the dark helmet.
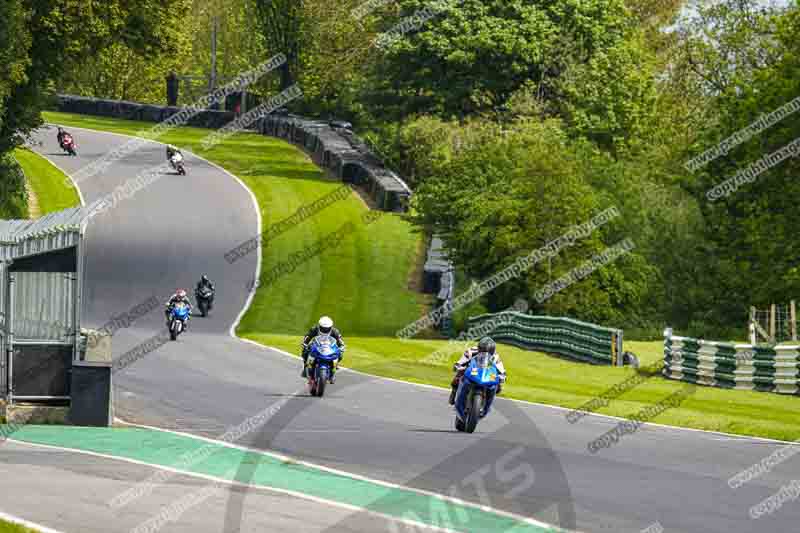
(487, 345)
(204, 279)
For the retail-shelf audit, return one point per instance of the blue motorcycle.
(322, 357)
(476, 392)
(177, 319)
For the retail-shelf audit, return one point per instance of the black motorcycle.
(205, 300)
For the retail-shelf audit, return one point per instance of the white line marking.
(22, 522)
(286, 458)
(234, 483)
(728, 436)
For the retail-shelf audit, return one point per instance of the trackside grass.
(49, 184)
(362, 282)
(8, 527)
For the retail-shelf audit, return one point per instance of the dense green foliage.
(513, 120)
(45, 44)
(13, 197)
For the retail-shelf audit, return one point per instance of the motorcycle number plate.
(474, 371)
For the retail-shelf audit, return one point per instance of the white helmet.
(325, 324)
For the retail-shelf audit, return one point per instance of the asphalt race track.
(525, 459)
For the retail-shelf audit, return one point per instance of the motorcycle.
(67, 144)
(323, 355)
(177, 320)
(476, 392)
(176, 161)
(205, 299)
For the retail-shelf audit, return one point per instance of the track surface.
(169, 234)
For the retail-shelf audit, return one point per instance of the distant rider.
(205, 283)
(61, 135)
(179, 297)
(486, 345)
(323, 327)
(172, 152)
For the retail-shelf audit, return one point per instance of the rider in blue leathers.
(323, 327)
(486, 345)
(179, 296)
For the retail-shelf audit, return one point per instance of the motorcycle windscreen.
(325, 345)
(482, 369)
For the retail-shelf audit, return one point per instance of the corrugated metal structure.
(41, 269)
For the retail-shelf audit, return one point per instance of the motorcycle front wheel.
(473, 411)
(322, 379)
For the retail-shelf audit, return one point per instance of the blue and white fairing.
(324, 349)
(480, 374)
(180, 311)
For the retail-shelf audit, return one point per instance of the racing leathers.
(205, 284)
(315, 332)
(461, 365)
(175, 299)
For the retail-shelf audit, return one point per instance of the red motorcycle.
(68, 144)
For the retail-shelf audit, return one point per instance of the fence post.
(620, 354)
(792, 320)
(172, 89)
(772, 323)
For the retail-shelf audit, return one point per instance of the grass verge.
(49, 184)
(363, 283)
(8, 527)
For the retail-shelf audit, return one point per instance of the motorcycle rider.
(205, 283)
(172, 152)
(323, 327)
(485, 345)
(179, 297)
(60, 135)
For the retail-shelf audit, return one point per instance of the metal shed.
(41, 272)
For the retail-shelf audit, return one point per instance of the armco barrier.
(558, 335)
(732, 366)
(334, 148)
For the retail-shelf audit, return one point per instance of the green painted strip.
(175, 451)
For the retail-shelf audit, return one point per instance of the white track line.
(725, 436)
(342, 473)
(27, 523)
(248, 486)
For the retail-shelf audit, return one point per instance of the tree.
(282, 27)
(62, 36)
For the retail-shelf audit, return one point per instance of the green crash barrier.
(557, 335)
(733, 366)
